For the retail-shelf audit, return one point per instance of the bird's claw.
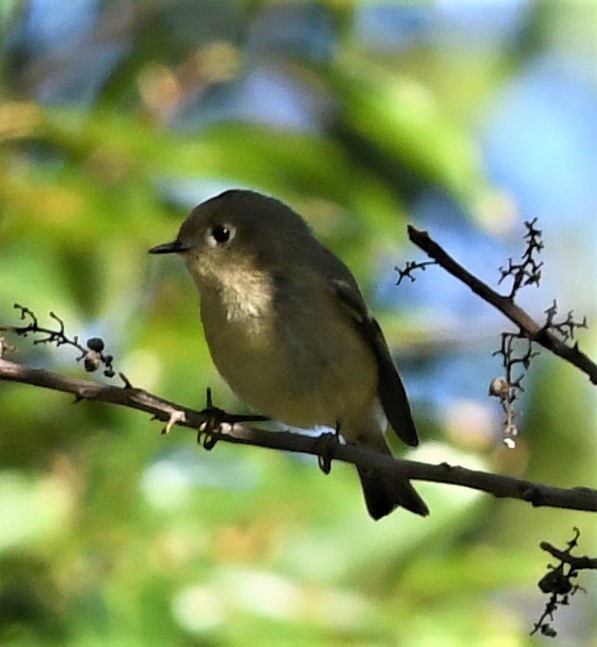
(327, 442)
(208, 432)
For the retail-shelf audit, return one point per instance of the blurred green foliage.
(112, 534)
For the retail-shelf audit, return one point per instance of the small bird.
(289, 331)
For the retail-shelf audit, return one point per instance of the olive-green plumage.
(288, 329)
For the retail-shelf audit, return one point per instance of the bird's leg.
(216, 420)
(207, 434)
(326, 445)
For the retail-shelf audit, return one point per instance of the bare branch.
(541, 334)
(233, 429)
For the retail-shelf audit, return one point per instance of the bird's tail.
(384, 493)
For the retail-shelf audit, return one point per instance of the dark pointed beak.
(175, 247)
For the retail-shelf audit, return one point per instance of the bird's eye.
(221, 234)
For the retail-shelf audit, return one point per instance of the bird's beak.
(175, 247)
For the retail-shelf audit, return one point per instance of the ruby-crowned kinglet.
(288, 329)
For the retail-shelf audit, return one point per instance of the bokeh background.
(116, 117)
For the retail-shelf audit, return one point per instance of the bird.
(288, 329)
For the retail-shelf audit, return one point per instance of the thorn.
(127, 384)
(176, 416)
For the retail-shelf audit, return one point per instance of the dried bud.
(555, 581)
(96, 344)
(499, 387)
(92, 361)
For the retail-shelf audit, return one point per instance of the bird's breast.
(303, 364)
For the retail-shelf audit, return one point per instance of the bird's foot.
(209, 430)
(327, 442)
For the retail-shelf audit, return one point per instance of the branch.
(232, 429)
(577, 563)
(542, 335)
(559, 582)
(92, 353)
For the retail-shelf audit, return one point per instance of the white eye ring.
(220, 235)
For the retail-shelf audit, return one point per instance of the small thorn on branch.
(125, 380)
(176, 417)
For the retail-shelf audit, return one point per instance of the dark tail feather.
(383, 494)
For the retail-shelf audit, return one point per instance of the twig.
(558, 582)
(579, 498)
(541, 334)
(577, 563)
(528, 270)
(508, 388)
(409, 268)
(92, 353)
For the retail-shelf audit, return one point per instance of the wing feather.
(392, 393)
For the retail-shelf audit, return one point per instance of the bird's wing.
(391, 390)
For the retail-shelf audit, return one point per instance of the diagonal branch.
(527, 325)
(235, 431)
